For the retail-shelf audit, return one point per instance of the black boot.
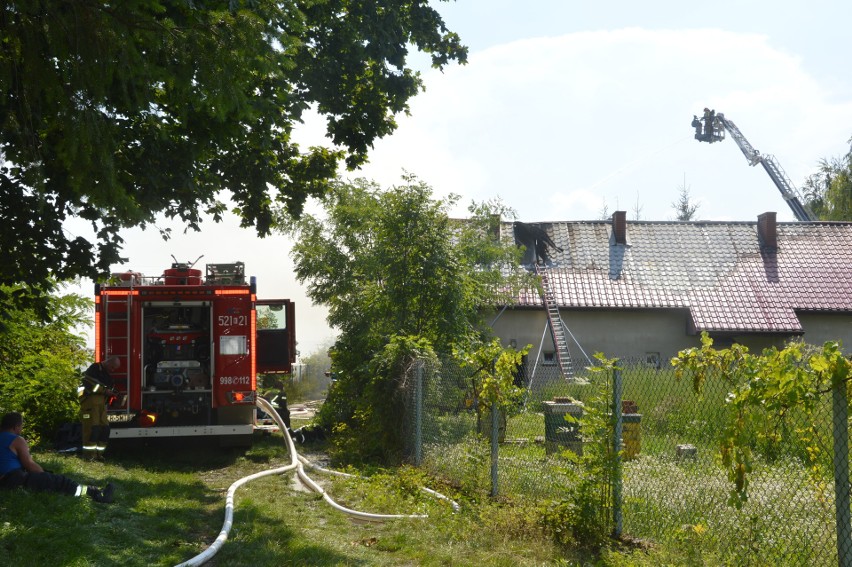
(298, 436)
(104, 496)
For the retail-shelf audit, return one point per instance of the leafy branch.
(493, 379)
(760, 386)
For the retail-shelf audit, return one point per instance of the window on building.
(548, 358)
(652, 359)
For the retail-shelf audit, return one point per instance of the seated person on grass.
(17, 467)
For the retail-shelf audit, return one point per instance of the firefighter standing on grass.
(97, 387)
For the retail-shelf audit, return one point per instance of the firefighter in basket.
(97, 389)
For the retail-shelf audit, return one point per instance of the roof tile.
(717, 270)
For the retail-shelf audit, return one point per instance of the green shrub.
(584, 517)
(366, 408)
(39, 365)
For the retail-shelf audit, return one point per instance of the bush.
(40, 362)
(584, 517)
(45, 390)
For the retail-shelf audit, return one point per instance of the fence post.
(841, 474)
(617, 386)
(418, 414)
(495, 441)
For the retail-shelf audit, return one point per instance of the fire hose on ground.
(297, 463)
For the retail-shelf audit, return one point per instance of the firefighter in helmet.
(709, 119)
(96, 390)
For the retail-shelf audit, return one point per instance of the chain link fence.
(669, 485)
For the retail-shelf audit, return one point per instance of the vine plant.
(493, 378)
(771, 384)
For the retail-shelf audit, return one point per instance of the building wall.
(621, 334)
(818, 327)
(822, 327)
(639, 334)
(756, 343)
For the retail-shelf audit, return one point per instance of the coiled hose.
(297, 463)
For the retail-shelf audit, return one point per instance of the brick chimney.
(619, 227)
(767, 233)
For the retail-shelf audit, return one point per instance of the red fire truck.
(190, 347)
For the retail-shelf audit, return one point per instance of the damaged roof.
(727, 274)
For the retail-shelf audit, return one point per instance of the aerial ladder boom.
(713, 130)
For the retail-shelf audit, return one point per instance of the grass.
(677, 503)
(169, 507)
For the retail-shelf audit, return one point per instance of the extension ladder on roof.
(557, 328)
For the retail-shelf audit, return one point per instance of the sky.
(567, 109)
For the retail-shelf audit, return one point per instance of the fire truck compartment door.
(276, 342)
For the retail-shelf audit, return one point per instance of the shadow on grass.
(169, 506)
(174, 454)
(198, 454)
(154, 521)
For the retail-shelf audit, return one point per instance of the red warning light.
(242, 397)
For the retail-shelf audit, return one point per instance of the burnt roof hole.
(536, 240)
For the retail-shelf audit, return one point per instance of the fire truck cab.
(190, 347)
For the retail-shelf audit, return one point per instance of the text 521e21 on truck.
(191, 347)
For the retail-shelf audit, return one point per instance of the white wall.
(622, 334)
(822, 327)
(635, 333)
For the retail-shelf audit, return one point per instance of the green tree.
(828, 192)
(401, 280)
(40, 363)
(685, 207)
(117, 112)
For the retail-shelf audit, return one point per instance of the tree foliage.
(828, 192)
(117, 112)
(493, 374)
(401, 280)
(684, 206)
(763, 391)
(40, 363)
